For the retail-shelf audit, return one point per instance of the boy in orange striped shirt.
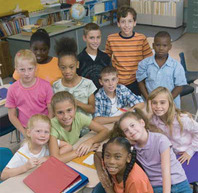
(127, 48)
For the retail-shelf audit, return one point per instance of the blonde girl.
(66, 126)
(29, 95)
(34, 150)
(155, 154)
(47, 66)
(179, 127)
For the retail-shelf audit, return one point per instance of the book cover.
(53, 176)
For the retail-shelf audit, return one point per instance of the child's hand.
(77, 102)
(42, 160)
(84, 148)
(184, 157)
(32, 162)
(94, 147)
(104, 179)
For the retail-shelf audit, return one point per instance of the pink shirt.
(187, 141)
(29, 101)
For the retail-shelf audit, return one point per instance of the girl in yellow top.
(47, 66)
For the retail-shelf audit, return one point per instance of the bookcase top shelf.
(8, 14)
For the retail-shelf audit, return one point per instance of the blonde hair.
(25, 55)
(172, 110)
(137, 114)
(30, 125)
(61, 97)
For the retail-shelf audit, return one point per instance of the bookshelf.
(166, 13)
(11, 23)
(100, 11)
(49, 16)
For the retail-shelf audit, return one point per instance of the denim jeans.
(182, 187)
(98, 189)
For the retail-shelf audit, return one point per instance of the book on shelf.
(11, 25)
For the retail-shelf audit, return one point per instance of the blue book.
(77, 185)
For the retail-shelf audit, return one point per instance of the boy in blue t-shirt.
(161, 70)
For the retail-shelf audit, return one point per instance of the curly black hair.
(66, 46)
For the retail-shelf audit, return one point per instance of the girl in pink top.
(179, 127)
(47, 67)
(29, 95)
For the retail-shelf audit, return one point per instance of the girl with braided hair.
(154, 152)
(118, 171)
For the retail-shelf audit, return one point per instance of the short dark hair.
(124, 10)
(162, 34)
(89, 27)
(108, 70)
(42, 36)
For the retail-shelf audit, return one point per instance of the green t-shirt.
(72, 136)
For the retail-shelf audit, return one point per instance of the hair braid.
(129, 167)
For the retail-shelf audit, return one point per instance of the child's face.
(65, 113)
(109, 81)
(68, 65)
(41, 51)
(26, 71)
(115, 159)
(162, 45)
(93, 39)
(40, 132)
(126, 24)
(133, 129)
(160, 105)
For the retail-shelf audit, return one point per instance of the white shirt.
(93, 57)
(22, 155)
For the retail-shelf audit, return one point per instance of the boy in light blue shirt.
(161, 70)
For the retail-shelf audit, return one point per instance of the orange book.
(54, 176)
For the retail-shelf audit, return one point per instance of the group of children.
(55, 99)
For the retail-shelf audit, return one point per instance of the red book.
(52, 176)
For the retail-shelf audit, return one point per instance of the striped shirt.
(126, 53)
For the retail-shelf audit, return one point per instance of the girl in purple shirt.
(154, 152)
(179, 127)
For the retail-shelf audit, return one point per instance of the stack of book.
(11, 25)
(54, 176)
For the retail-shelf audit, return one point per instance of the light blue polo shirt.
(170, 75)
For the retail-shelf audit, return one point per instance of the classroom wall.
(9, 5)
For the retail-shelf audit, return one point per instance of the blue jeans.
(98, 189)
(182, 187)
